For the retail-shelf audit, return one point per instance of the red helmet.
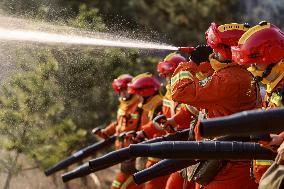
(169, 64)
(121, 82)
(144, 84)
(262, 44)
(221, 38)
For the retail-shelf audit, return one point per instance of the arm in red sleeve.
(110, 129)
(204, 70)
(184, 117)
(151, 130)
(189, 90)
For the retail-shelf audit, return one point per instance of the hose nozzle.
(81, 171)
(187, 50)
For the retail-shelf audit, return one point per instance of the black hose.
(121, 155)
(162, 168)
(191, 150)
(81, 171)
(244, 123)
(118, 156)
(81, 154)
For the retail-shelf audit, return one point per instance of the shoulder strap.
(140, 112)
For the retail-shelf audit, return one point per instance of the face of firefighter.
(257, 70)
(218, 56)
(260, 67)
(124, 94)
(168, 79)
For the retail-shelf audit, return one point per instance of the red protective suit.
(229, 90)
(127, 119)
(183, 117)
(152, 108)
(185, 114)
(125, 181)
(175, 181)
(272, 100)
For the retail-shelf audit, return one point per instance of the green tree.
(179, 22)
(32, 112)
(59, 95)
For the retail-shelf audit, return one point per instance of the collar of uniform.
(278, 69)
(217, 65)
(152, 102)
(126, 104)
(200, 76)
(276, 99)
(168, 94)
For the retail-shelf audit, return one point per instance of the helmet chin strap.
(266, 72)
(220, 58)
(126, 98)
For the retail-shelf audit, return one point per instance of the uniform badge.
(203, 82)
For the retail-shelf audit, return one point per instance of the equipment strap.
(127, 182)
(116, 184)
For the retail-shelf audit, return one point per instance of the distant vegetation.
(48, 109)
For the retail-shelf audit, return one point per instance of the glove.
(100, 133)
(139, 137)
(161, 121)
(201, 54)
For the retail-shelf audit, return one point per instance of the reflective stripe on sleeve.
(192, 109)
(153, 159)
(263, 162)
(116, 184)
(127, 182)
(181, 75)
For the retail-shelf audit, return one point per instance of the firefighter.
(262, 48)
(128, 119)
(183, 114)
(199, 56)
(147, 87)
(165, 69)
(229, 90)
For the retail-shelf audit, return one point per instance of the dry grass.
(35, 179)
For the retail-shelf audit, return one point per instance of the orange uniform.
(272, 99)
(128, 116)
(229, 90)
(166, 106)
(261, 48)
(183, 114)
(152, 108)
(183, 117)
(127, 120)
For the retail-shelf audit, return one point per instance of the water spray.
(53, 38)
(28, 33)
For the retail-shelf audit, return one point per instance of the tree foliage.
(48, 108)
